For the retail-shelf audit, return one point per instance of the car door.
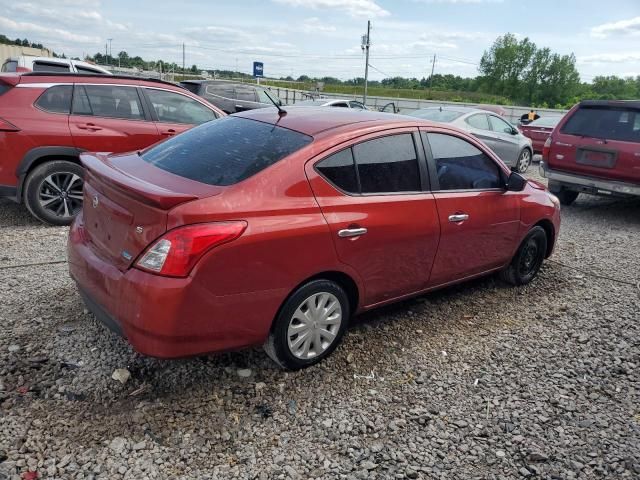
(383, 224)
(478, 126)
(246, 99)
(110, 118)
(507, 146)
(479, 219)
(174, 112)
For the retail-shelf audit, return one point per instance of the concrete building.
(7, 51)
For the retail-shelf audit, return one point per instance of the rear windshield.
(610, 123)
(192, 87)
(437, 115)
(10, 66)
(225, 151)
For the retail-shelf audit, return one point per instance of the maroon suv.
(595, 149)
(48, 119)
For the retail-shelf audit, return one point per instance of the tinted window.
(107, 101)
(605, 122)
(88, 70)
(192, 87)
(388, 164)
(10, 66)
(479, 121)
(172, 107)
(56, 99)
(226, 151)
(356, 105)
(340, 104)
(49, 67)
(462, 166)
(340, 170)
(436, 114)
(499, 125)
(221, 90)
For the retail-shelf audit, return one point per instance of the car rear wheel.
(528, 259)
(53, 192)
(524, 160)
(566, 196)
(310, 325)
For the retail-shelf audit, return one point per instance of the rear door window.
(172, 107)
(610, 123)
(55, 99)
(340, 170)
(226, 151)
(499, 125)
(388, 165)
(461, 165)
(108, 101)
(225, 91)
(10, 66)
(245, 94)
(39, 66)
(479, 121)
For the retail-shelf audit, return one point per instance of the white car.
(333, 102)
(25, 63)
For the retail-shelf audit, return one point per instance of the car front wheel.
(53, 192)
(524, 160)
(310, 325)
(528, 259)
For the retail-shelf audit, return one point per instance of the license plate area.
(594, 157)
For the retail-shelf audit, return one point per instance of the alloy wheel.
(524, 161)
(314, 325)
(61, 194)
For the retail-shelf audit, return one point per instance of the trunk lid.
(127, 201)
(599, 141)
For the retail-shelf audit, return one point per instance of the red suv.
(47, 120)
(594, 149)
(290, 223)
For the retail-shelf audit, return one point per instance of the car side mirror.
(516, 182)
(514, 131)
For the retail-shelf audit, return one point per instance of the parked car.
(264, 228)
(503, 138)
(26, 63)
(333, 102)
(47, 120)
(539, 130)
(231, 97)
(595, 149)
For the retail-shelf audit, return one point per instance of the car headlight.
(555, 200)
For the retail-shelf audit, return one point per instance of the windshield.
(436, 114)
(10, 66)
(226, 151)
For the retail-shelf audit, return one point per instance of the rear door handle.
(89, 126)
(458, 217)
(351, 232)
(171, 131)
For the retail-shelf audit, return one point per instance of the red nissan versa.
(48, 119)
(274, 228)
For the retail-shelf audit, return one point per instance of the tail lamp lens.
(177, 252)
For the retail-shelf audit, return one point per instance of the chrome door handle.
(458, 217)
(351, 232)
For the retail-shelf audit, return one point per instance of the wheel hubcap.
(61, 193)
(525, 159)
(314, 325)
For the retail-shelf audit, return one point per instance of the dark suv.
(48, 119)
(231, 97)
(594, 149)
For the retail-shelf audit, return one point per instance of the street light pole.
(365, 46)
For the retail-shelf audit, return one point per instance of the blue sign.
(258, 69)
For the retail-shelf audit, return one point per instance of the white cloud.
(623, 27)
(604, 58)
(354, 8)
(57, 33)
(458, 1)
(315, 25)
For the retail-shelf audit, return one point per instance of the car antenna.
(281, 111)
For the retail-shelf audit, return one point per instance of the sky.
(323, 37)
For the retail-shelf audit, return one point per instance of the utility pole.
(365, 47)
(433, 66)
(182, 58)
(110, 50)
(106, 51)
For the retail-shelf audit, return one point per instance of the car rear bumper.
(168, 317)
(588, 184)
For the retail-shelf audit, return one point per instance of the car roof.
(611, 103)
(461, 109)
(38, 77)
(312, 120)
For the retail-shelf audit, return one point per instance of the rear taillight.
(177, 252)
(546, 148)
(7, 126)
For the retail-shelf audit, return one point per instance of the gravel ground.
(476, 381)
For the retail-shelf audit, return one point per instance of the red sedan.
(275, 228)
(539, 130)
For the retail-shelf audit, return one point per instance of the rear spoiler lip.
(10, 79)
(98, 165)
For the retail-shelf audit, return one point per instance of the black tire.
(566, 196)
(528, 259)
(65, 200)
(278, 346)
(524, 160)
